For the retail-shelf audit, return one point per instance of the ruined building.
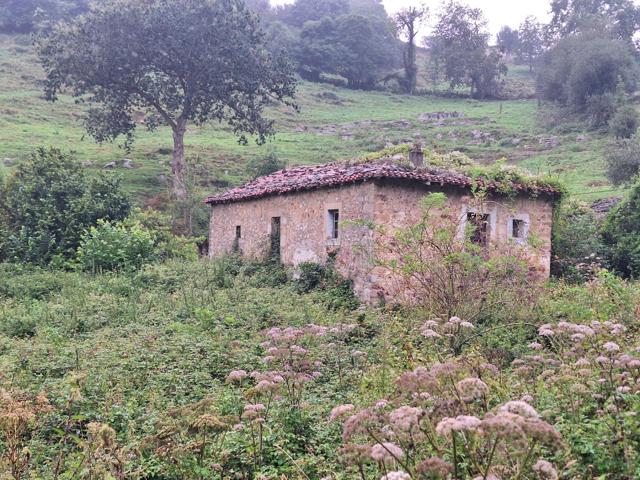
(313, 213)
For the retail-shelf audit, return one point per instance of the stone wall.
(304, 226)
(305, 230)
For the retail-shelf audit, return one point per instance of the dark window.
(479, 222)
(334, 219)
(238, 231)
(275, 238)
(517, 228)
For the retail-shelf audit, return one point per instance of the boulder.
(110, 165)
(127, 163)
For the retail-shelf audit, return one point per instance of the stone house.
(312, 213)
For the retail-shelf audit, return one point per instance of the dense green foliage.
(578, 252)
(46, 204)
(178, 62)
(580, 71)
(621, 235)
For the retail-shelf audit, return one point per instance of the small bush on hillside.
(47, 204)
(577, 249)
(624, 123)
(265, 165)
(623, 160)
(621, 235)
(600, 109)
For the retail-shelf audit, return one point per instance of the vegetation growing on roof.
(502, 176)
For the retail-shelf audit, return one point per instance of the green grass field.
(332, 124)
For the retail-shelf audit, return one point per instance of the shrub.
(265, 165)
(621, 235)
(624, 123)
(623, 161)
(600, 109)
(310, 276)
(47, 203)
(116, 246)
(577, 251)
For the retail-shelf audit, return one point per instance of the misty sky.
(497, 12)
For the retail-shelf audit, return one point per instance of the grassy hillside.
(333, 123)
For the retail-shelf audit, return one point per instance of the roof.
(311, 177)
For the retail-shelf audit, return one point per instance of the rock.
(347, 137)
(604, 205)
(8, 161)
(516, 141)
(127, 163)
(162, 178)
(87, 163)
(438, 116)
(581, 138)
(548, 142)
(110, 165)
(398, 156)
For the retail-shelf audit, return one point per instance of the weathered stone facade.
(306, 226)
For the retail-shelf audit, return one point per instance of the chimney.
(416, 156)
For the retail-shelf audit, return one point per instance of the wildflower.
(396, 475)
(545, 470)
(490, 476)
(611, 347)
(339, 411)
(434, 467)
(472, 388)
(405, 418)
(466, 324)
(460, 423)
(358, 353)
(381, 452)
(428, 333)
(381, 404)
(535, 346)
(430, 324)
(519, 407)
(236, 376)
(355, 454)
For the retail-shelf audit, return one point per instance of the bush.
(310, 276)
(47, 204)
(265, 165)
(116, 246)
(600, 109)
(623, 161)
(624, 123)
(577, 251)
(621, 235)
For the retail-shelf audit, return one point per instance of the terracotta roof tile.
(310, 177)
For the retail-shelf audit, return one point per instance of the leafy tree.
(581, 68)
(531, 41)
(621, 235)
(408, 21)
(460, 44)
(47, 203)
(508, 39)
(349, 46)
(177, 61)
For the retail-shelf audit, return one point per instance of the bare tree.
(409, 20)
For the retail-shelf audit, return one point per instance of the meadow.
(230, 369)
(332, 124)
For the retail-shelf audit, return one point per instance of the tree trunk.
(178, 165)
